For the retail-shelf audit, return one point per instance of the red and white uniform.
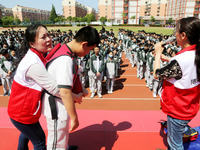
(180, 98)
(25, 99)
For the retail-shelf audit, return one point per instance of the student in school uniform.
(8, 68)
(97, 67)
(111, 72)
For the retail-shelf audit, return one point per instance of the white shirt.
(62, 69)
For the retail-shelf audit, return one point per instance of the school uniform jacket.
(180, 98)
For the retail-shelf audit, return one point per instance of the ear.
(84, 45)
(183, 36)
(31, 44)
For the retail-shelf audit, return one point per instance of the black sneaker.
(5, 94)
(73, 147)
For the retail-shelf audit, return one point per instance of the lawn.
(158, 30)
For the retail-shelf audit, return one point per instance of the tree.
(7, 20)
(53, 14)
(170, 20)
(17, 20)
(133, 17)
(153, 19)
(103, 19)
(142, 21)
(69, 19)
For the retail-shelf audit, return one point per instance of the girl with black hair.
(31, 78)
(180, 90)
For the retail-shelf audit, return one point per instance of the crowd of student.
(102, 63)
(139, 49)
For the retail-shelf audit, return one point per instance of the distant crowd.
(104, 59)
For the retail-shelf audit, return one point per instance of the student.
(8, 68)
(97, 67)
(62, 65)
(111, 72)
(24, 107)
(180, 89)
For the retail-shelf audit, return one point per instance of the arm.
(66, 96)
(40, 75)
(158, 51)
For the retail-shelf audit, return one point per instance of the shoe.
(100, 96)
(73, 147)
(8, 94)
(190, 135)
(108, 92)
(111, 91)
(92, 95)
(154, 95)
(5, 94)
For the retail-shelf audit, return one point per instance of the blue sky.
(46, 4)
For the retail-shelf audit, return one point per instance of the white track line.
(151, 99)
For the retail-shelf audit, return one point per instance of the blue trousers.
(32, 132)
(176, 129)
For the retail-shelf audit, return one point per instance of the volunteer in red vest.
(62, 65)
(180, 90)
(31, 78)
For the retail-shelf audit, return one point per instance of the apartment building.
(178, 9)
(119, 11)
(5, 11)
(197, 9)
(75, 9)
(30, 13)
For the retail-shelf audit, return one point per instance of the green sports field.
(158, 30)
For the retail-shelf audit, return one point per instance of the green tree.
(153, 19)
(170, 20)
(133, 17)
(142, 21)
(69, 19)
(75, 19)
(7, 20)
(103, 19)
(53, 14)
(17, 20)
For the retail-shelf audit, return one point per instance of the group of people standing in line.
(46, 80)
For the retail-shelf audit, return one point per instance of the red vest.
(25, 100)
(180, 98)
(58, 51)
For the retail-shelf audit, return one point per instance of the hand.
(98, 74)
(77, 97)
(9, 73)
(74, 124)
(85, 92)
(159, 48)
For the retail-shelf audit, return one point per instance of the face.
(43, 42)
(84, 49)
(96, 50)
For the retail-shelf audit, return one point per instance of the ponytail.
(197, 60)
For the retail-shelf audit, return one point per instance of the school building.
(30, 13)
(75, 9)
(120, 11)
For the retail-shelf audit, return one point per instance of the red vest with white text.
(25, 100)
(180, 98)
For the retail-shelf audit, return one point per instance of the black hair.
(191, 27)
(88, 34)
(30, 35)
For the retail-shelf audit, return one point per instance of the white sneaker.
(108, 92)
(154, 95)
(111, 91)
(92, 95)
(100, 96)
